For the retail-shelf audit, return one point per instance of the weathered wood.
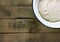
(17, 25)
(30, 37)
(16, 9)
(14, 25)
(43, 28)
(24, 25)
(15, 2)
(16, 12)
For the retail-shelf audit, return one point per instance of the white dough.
(50, 10)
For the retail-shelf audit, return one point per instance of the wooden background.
(19, 24)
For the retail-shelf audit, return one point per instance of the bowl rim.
(43, 21)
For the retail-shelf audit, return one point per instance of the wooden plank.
(30, 37)
(43, 28)
(14, 25)
(16, 12)
(24, 25)
(15, 2)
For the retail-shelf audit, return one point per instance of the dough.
(50, 10)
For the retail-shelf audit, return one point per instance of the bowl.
(43, 21)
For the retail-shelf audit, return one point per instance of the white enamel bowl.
(43, 21)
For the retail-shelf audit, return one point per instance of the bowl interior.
(45, 22)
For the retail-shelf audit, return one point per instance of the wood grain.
(30, 37)
(24, 25)
(15, 2)
(18, 24)
(16, 12)
(16, 9)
